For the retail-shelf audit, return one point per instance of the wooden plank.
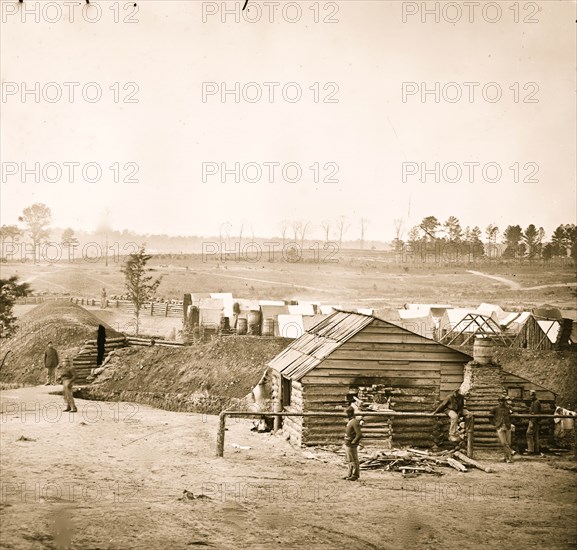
(377, 365)
(414, 355)
(387, 347)
(390, 338)
(366, 378)
(383, 373)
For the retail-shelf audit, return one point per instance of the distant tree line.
(515, 242)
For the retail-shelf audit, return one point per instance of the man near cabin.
(50, 363)
(500, 416)
(509, 403)
(533, 426)
(353, 435)
(354, 402)
(454, 404)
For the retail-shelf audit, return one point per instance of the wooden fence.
(391, 414)
(154, 309)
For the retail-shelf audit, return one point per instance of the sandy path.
(117, 472)
(511, 284)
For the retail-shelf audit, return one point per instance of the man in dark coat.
(50, 363)
(500, 416)
(353, 435)
(533, 427)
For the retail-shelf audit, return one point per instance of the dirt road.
(111, 475)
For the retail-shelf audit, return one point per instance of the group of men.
(454, 405)
(500, 417)
(68, 375)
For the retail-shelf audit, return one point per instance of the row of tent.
(541, 328)
(289, 319)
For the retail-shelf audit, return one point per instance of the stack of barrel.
(86, 359)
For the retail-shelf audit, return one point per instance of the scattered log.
(464, 458)
(456, 464)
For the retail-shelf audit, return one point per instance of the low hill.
(65, 324)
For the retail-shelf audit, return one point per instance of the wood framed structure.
(470, 326)
(351, 351)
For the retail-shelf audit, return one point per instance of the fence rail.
(470, 428)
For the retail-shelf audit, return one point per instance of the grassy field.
(352, 281)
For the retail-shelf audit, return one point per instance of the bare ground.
(113, 473)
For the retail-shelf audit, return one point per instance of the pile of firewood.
(415, 462)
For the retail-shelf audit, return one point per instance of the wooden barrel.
(268, 327)
(483, 350)
(242, 326)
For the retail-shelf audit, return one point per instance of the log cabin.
(390, 366)
(350, 351)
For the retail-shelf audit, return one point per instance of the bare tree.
(224, 232)
(296, 228)
(364, 224)
(284, 226)
(342, 226)
(240, 233)
(326, 227)
(304, 229)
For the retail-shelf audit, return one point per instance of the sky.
(362, 148)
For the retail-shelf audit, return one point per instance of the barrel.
(483, 350)
(241, 326)
(253, 322)
(268, 327)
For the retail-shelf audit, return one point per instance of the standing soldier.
(68, 378)
(533, 427)
(500, 416)
(353, 435)
(103, 300)
(50, 362)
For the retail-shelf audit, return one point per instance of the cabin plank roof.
(322, 339)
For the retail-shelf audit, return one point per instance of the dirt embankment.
(205, 377)
(65, 324)
(554, 370)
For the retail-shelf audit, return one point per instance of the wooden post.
(151, 309)
(276, 407)
(166, 312)
(471, 438)
(220, 436)
(574, 445)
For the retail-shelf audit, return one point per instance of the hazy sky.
(368, 134)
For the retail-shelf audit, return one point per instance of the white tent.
(514, 321)
(423, 325)
(291, 326)
(490, 309)
(551, 329)
(302, 309)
